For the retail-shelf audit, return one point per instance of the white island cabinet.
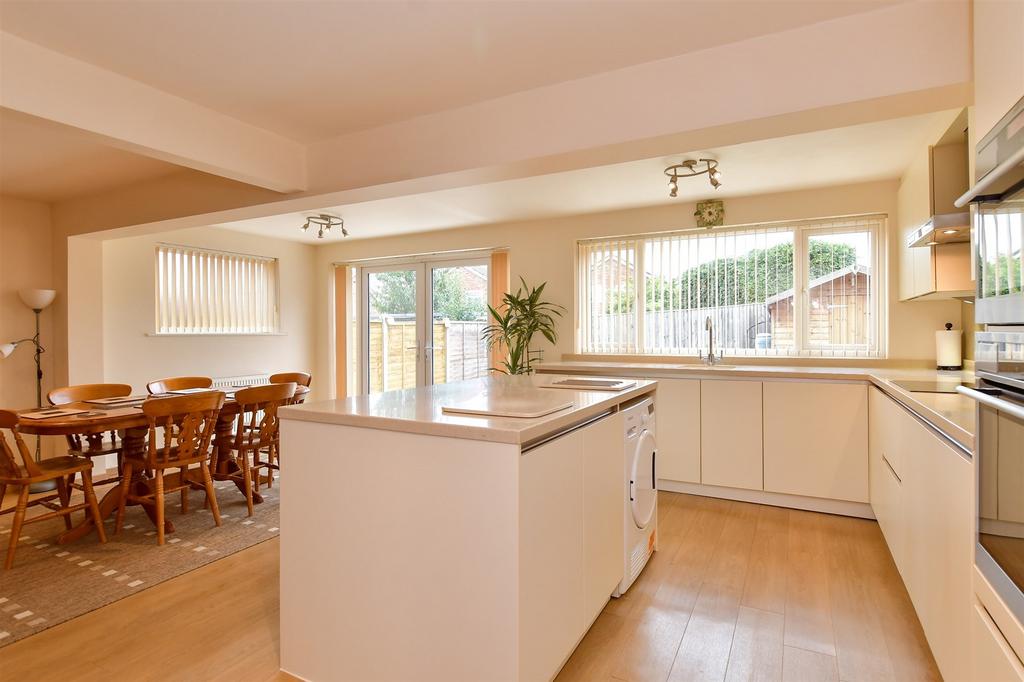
(422, 545)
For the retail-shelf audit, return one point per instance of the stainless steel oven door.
(999, 258)
(999, 469)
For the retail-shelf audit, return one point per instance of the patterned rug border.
(31, 541)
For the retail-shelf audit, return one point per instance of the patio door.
(422, 323)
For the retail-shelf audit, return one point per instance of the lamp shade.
(37, 299)
(6, 349)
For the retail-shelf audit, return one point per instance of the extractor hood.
(945, 228)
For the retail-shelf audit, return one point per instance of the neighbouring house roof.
(825, 279)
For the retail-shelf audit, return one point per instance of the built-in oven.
(997, 210)
(999, 466)
(997, 220)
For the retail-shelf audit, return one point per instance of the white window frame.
(803, 229)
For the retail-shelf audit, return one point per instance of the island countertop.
(420, 410)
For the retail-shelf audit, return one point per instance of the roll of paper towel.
(948, 351)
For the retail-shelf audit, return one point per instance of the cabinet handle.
(891, 470)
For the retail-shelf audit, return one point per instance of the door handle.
(654, 469)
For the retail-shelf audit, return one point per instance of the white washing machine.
(640, 491)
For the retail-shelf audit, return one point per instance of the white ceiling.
(862, 153)
(46, 162)
(311, 70)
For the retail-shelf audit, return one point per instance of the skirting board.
(840, 507)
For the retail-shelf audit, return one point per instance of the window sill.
(213, 334)
(759, 360)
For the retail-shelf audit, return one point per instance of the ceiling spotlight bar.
(692, 168)
(324, 222)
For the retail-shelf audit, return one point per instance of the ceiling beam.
(911, 56)
(139, 118)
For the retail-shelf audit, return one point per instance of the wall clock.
(710, 213)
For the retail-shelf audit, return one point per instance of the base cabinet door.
(938, 509)
(731, 446)
(679, 429)
(550, 555)
(884, 465)
(816, 439)
(603, 512)
(992, 659)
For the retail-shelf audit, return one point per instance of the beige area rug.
(52, 583)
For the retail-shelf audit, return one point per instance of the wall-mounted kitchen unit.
(934, 234)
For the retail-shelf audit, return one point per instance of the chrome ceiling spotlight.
(324, 222)
(691, 168)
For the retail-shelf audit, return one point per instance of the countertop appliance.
(951, 385)
(640, 490)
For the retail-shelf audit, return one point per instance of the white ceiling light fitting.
(691, 168)
(324, 222)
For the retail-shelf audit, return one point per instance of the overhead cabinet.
(936, 177)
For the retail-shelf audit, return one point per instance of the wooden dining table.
(131, 422)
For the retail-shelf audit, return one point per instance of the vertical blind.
(804, 288)
(200, 291)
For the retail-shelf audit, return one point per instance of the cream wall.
(132, 355)
(998, 60)
(26, 248)
(543, 250)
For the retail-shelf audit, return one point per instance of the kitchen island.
(418, 544)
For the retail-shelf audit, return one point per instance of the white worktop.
(953, 414)
(419, 410)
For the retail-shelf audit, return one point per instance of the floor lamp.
(36, 299)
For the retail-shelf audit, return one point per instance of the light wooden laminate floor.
(736, 592)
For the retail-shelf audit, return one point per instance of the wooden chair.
(59, 469)
(180, 430)
(177, 384)
(299, 378)
(94, 445)
(258, 432)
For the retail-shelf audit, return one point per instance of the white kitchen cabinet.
(603, 490)
(992, 659)
(936, 177)
(679, 429)
(885, 462)
(551, 604)
(570, 537)
(816, 439)
(731, 444)
(927, 522)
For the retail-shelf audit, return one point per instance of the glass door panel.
(391, 333)
(458, 315)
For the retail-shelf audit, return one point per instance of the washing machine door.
(643, 487)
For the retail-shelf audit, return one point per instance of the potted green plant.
(522, 314)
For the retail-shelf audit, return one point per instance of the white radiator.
(241, 380)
